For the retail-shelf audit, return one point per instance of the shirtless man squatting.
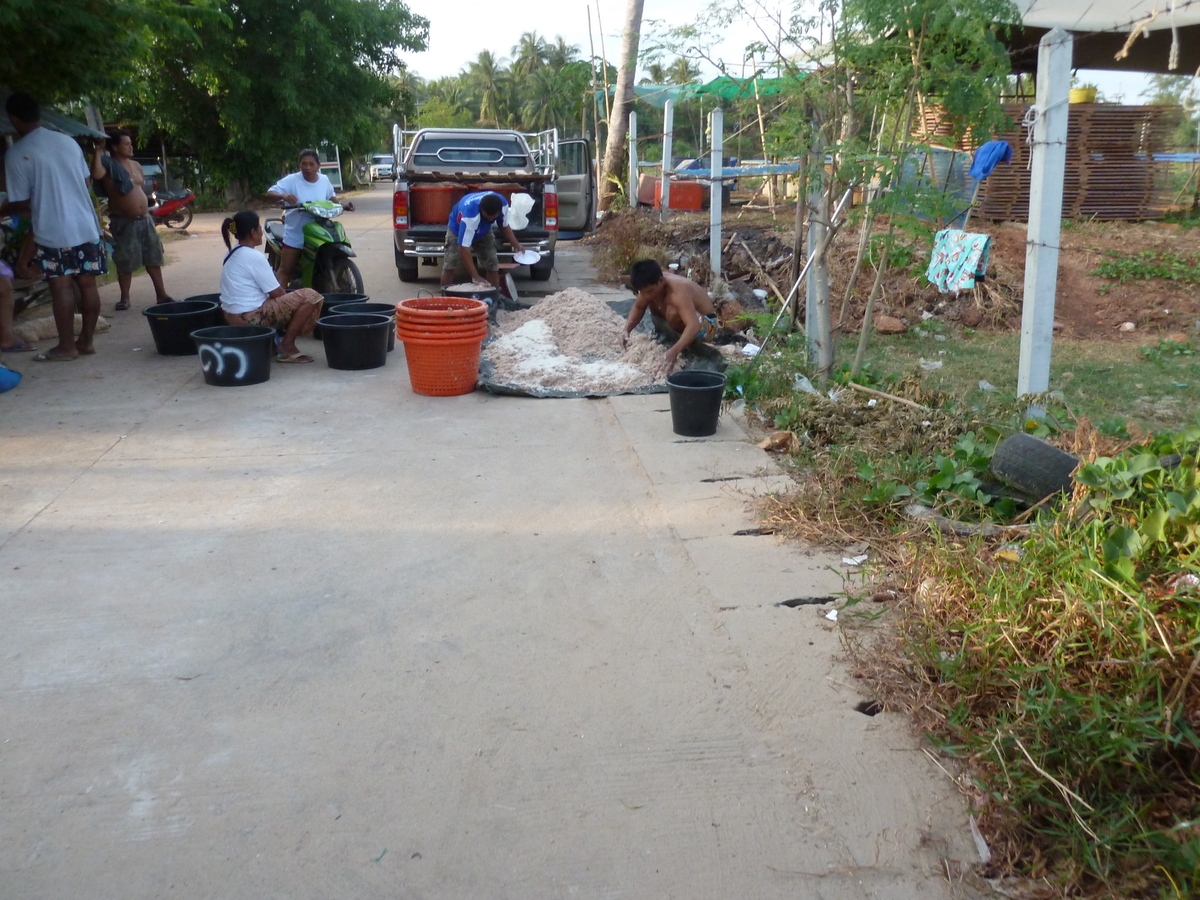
(684, 305)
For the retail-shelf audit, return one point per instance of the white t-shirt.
(246, 279)
(306, 192)
(48, 168)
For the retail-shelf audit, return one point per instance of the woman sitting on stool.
(251, 295)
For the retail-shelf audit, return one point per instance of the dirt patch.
(757, 253)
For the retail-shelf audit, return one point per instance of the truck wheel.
(343, 278)
(542, 271)
(1033, 466)
(408, 271)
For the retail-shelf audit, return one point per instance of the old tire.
(1033, 466)
(542, 270)
(181, 218)
(407, 271)
(343, 277)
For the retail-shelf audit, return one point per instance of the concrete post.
(1049, 166)
(668, 134)
(716, 192)
(633, 161)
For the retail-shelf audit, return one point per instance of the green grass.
(1108, 382)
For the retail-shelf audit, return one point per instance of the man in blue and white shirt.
(470, 242)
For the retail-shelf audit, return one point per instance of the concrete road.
(323, 637)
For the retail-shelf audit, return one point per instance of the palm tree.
(618, 122)
(529, 54)
(545, 106)
(655, 74)
(682, 72)
(487, 76)
(560, 53)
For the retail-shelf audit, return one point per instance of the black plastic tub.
(695, 402)
(172, 324)
(332, 300)
(235, 355)
(356, 340)
(375, 309)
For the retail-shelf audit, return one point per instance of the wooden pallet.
(1111, 171)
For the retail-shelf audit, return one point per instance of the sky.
(490, 27)
(459, 30)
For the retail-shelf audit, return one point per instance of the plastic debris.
(930, 365)
(801, 383)
(854, 560)
(986, 386)
(831, 615)
(985, 854)
(872, 403)
(926, 315)
(750, 349)
(759, 293)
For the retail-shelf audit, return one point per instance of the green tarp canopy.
(728, 88)
(724, 88)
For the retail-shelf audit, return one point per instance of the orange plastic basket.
(441, 308)
(443, 368)
(426, 333)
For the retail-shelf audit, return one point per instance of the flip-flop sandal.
(46, 357)
(294, 358)
(23, 347)
(122, 305)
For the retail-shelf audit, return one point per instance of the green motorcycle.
(326, 262)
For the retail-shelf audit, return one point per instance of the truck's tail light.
(550, 207)
(400, 208)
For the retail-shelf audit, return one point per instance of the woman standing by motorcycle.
(250, 295)
(304, 186)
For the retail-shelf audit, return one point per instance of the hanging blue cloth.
(957, 260)
(988, 157)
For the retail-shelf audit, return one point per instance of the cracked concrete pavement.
(324, 637)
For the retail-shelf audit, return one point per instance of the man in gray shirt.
(48, 177)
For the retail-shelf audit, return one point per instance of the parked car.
(153, 170)
(381, 167)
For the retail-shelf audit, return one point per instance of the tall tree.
(618, 123)
(73, 49)
(275, 76)
(487, 75)
(560, 53)
(529, 54)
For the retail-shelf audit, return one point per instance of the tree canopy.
(250, 87)
(71, 49)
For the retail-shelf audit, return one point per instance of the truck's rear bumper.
(425, 247)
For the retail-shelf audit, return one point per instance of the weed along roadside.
(1032, 589)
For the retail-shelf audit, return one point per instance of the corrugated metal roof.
(52, 119)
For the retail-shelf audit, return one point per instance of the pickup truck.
(436, 167)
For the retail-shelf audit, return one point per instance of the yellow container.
(1083, 95)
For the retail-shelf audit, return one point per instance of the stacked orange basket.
(442, 340)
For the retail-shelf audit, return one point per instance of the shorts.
(484, 251)
(135, 242)
(277, 312)
(708, 328)
(86, 259)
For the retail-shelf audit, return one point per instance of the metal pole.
(1049, 165)
(668, 134)
(633, 161)
(716, 191)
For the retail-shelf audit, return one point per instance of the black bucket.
(375, 309)
(235, 355)
(332, 300)
(172, 324)
(695, 401)
(356, 341)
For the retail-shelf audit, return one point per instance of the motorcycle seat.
(275, 229)
(164, 196)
